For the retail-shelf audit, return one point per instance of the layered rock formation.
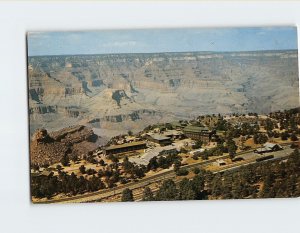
(49, 148)
(120, 92)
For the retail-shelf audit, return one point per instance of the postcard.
(163, 114)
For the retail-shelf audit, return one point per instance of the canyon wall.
(120, 92)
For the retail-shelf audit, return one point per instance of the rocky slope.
(49, 148)
(120, 92)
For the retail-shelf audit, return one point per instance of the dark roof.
(112, 147)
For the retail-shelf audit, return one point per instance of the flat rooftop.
(112, 147)
(159, 137)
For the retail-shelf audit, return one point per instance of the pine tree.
(127, 195)
(147, 194)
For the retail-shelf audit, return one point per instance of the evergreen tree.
(167, 191)
(186, 190)
(147, 194)
(127, 195)
(65, 161)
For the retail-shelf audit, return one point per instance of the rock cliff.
(49, 148)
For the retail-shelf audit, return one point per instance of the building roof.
(264, 149)
(145, 158)
(172, 132)
(270, 145)
(195, 129)
(220, 161)
(159, 137)
(112, 147)
(178, 124)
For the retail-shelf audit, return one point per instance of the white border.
(16, 212)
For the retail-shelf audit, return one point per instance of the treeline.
(48, 186)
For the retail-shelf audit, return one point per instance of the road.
(170, 174)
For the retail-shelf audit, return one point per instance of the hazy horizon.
(141, 53)
(149, 41)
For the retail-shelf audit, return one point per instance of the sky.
(161, 40)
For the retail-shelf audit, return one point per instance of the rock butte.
(49, 148)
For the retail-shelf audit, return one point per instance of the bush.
(284, 136)
(196, 170)
(182, 172)
(294, 137)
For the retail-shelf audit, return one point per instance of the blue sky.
(162, 40)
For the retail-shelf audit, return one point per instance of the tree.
(35, 167)
(147, 194)
(177, 165)
(82, 169)
(232, 147)
(284, 136)
(205, 155)
(74, 158)
(127, 195)
(197, 145)
(58, 167)
(152, 165)
(269, 125)
(198, 186)
(294, 137)
(65, 161)
(260, 138)
(129, 133)
(196, 170)
(113, 158)
(101, 162)
(195, 156)
(186, 190)
(167, 191)
(182, 172)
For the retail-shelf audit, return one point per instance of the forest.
(268, 179)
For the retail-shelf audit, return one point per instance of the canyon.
(115, 93)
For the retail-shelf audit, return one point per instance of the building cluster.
(160, 140)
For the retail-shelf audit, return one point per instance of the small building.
(126, 147)
(159, 139)
(197, 133)
(197, 152)
(220, 162)
(172, 151)
(268, 147)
